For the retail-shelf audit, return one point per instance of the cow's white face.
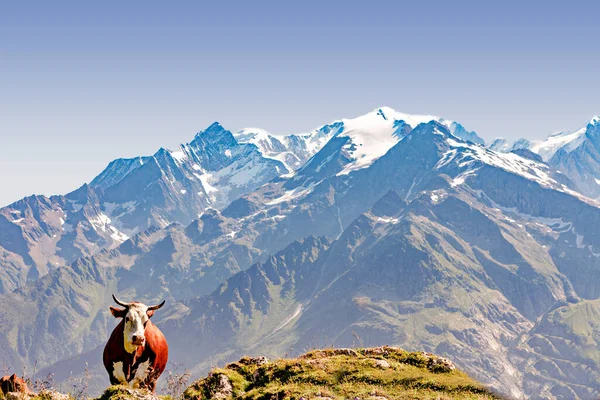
(135, 317)
(135, 323)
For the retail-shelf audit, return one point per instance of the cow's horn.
(119, 302)
(157, 306)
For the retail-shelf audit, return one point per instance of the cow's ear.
(118, 313)
(150, 313)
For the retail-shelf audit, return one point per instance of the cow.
(136, 353)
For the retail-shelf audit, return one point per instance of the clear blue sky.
(82, 83)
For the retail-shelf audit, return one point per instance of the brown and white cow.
(137, 351)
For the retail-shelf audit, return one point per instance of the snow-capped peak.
(249, 135)
(215, 127)
(260, 138)
(388, 113)
(281, 148)
(567, 140)
(215, 133)
(373, 134)
(500, 145)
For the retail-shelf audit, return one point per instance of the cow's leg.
(114, 381)
(142, 373)
(151, 384)
(117, 377)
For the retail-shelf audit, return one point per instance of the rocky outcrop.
(13, 384)
(126, 393)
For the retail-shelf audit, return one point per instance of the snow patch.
(290, 318)
(291, 195)
(460, 179)
(115, 211)
(393, 221)
(179, 155)
(102, 223)
(246, 174)
(76, 206)
(578, 240)
(205, 179)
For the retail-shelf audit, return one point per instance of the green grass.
(342, 375)
(118, 392)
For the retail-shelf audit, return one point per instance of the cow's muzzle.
(137, 340)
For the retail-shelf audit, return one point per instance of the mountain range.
(387, 228)
(575, 153)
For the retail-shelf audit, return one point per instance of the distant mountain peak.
(563, 142)
(214, 127)
(117, 170)
(216, 133)
(501, 145)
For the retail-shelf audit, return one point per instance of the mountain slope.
(177, 186)
(580, 159)
(38, 234)
(575, 153)
(116, 171)
(566, 140)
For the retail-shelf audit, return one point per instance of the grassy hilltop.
(380, 373)
(376, 373)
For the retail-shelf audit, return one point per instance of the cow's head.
(136, 316)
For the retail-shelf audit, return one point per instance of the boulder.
(124, 392)
(217, 385)
(13, 384)
(440, 365)
(382, 364)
